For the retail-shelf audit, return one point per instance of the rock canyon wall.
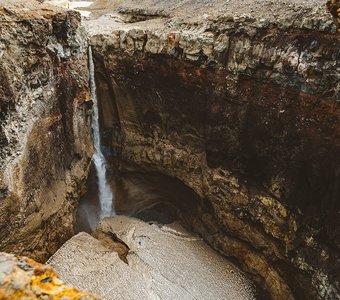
(45, 126)
(236, 100)
(240, 103)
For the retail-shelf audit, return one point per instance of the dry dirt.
(190, 9)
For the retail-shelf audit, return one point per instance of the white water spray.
(105, 193)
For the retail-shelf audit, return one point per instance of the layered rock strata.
(242, 105)
(45, 116)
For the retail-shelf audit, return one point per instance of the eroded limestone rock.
(45, 135)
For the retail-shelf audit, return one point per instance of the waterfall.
(105, 192)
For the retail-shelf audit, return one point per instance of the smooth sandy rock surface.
(163, 263)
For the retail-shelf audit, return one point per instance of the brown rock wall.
(246, 114)
(45, 144)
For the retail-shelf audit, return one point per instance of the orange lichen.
(31, 280)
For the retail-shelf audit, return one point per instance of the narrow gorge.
(170, 149)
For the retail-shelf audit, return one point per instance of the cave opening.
(152, 197)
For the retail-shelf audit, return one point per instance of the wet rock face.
(45, 137)
(245, 112)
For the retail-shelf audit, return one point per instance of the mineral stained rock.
(334, 9)
(159, 263)
(45, 135)
(22, 278)
(239, 100)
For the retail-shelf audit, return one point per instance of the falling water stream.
(105, 192)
